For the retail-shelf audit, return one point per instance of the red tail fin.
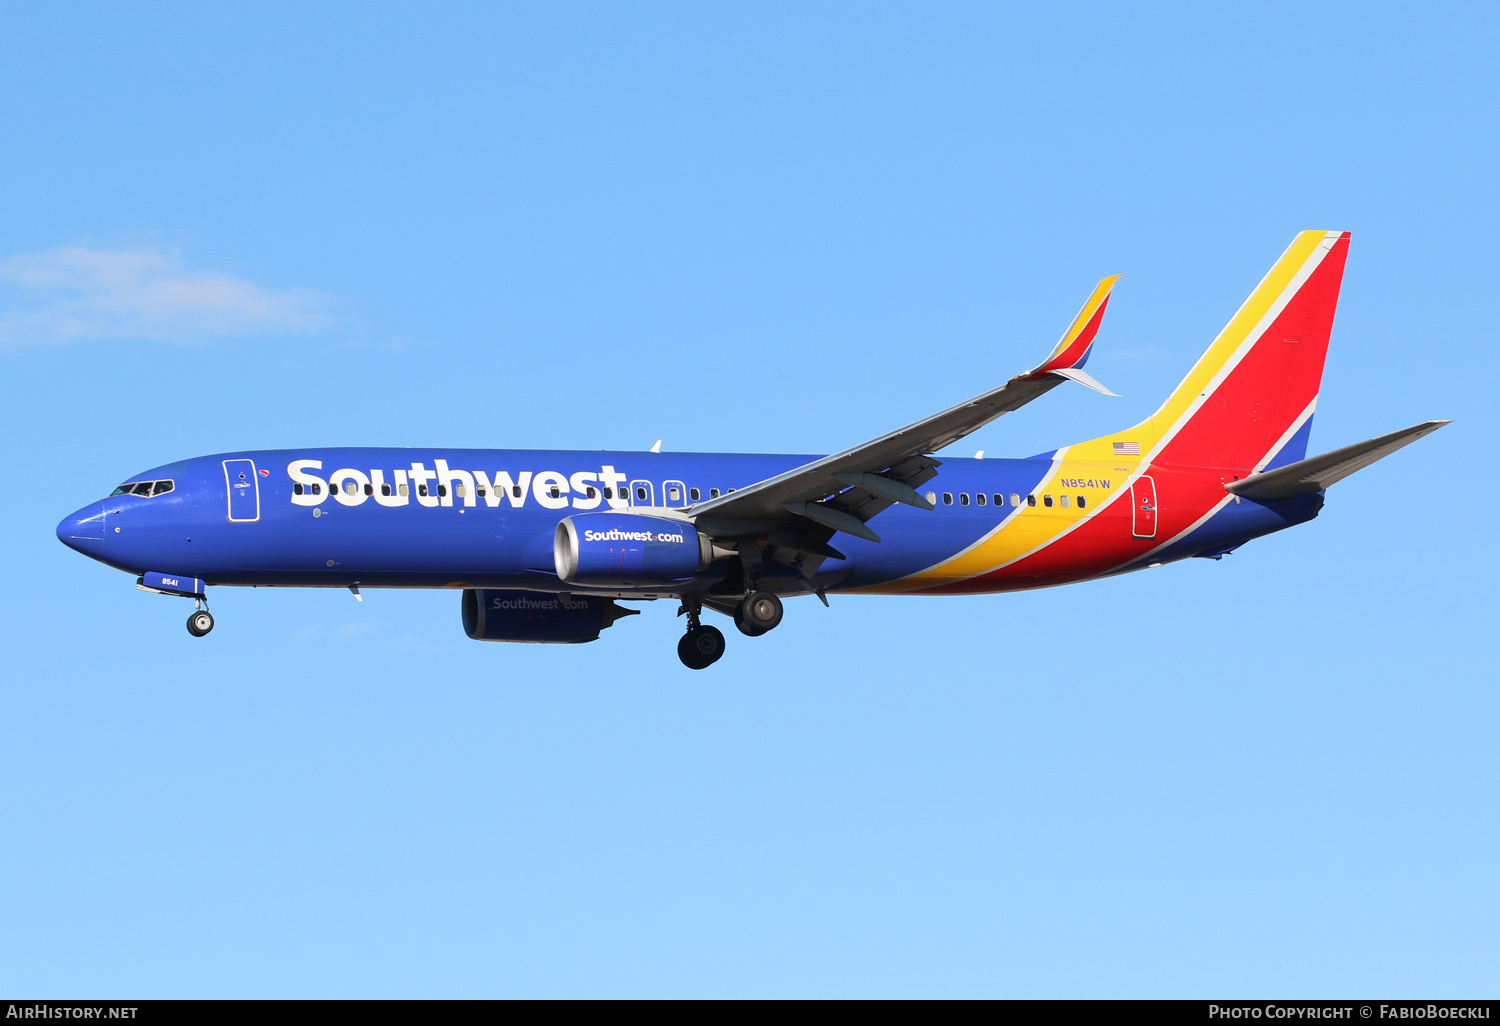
(1248, 400)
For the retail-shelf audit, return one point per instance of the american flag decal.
(1127, 448)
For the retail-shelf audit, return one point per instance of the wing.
(842, 491)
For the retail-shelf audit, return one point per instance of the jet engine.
(621, 549)
(537, 617)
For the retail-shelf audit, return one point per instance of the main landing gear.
(201, 621)
(758, 613)
(702, 645)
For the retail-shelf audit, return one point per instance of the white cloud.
(77, 293)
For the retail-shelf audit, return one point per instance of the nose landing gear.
(201, 621)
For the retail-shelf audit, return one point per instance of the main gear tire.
(701, 647)
(760, 610)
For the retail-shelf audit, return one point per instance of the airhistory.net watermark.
(43, 1010)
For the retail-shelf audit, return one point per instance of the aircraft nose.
(84, 529)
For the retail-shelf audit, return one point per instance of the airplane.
(544, 544)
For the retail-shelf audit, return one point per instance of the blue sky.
(767, 228)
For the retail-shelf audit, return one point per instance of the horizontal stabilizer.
(1318, 472)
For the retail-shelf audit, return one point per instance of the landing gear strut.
(758, 613)
(702, 645)
(201, 621)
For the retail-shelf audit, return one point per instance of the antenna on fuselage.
(657, 446)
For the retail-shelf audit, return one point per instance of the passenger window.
(421, 489)
(674, 495)
(694, 494)
(609, 493)
(947, 498)
(1080, 502)
(553, 491)
(1046, 500)
(443, 491)
(515, 490)
(640, 494)
(479, 490)
(297, 489)
(385, 489)
(458, 490)
(403, 488)
(963, 498)
(713, 493)
(1015, 499)
(979, 498)
(589, 491)
(161, 488)
(144, 488)
(1064, 500)
(369, 489)
(350, 488)
(317, 488)
(1031, 500)
(932, 498)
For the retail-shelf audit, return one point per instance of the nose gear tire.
(200, 623)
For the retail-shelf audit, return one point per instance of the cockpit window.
(143, 488)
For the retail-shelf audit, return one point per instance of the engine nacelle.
(537, 617)
(622, 549)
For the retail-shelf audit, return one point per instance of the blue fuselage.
(485, 518)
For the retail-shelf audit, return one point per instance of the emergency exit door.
(1143, 507)
(244, 490)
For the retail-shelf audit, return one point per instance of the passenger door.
(244, 490)
(1143, 507)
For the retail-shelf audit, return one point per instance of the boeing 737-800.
(544, 545)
